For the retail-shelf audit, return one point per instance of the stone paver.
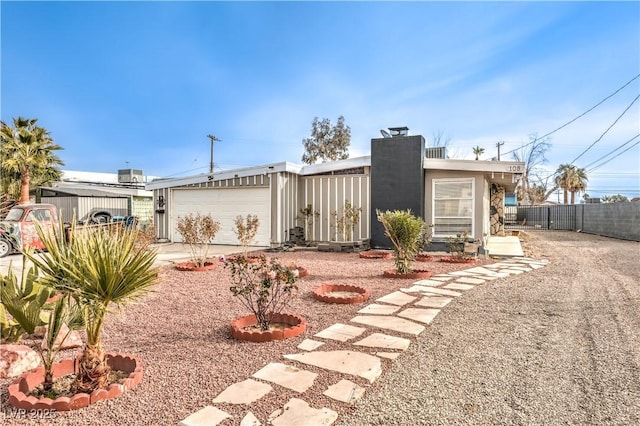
(467, 280)
(434, 301)
(286, 376)
(309, 345)
(419, 314)
(207, 416)
(441, 277)
(390, 323)
(355, 363)
(340, 332)
(459, 286)
(397, 298)
(375, 309)
(428, 283)
(250, 419)
(417, 289)
(379, 340)
(442, 291)
(462, 274)
(244, 392)
(345, 391)
(388, 355)
(297, 412)
(512, 271)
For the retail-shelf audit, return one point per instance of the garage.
(224, 205)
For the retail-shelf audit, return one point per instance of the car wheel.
(5, 248)
(101, 218)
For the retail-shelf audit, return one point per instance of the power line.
(619, 154)
(604, 156)
(580, 116)
(606, 131)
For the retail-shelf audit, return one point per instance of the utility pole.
(213, 139)
(499, 144)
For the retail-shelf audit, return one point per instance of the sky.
(141, 84)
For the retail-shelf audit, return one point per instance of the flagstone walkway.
(405, 312)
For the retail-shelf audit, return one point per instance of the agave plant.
(26, 301)
(98, 268)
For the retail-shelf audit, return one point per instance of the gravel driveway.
(559, 345)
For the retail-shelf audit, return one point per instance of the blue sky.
(141, 84)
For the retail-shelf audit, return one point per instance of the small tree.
(617, 198)
(327, 142)
(348, 220)
(456, 245)
(265, 288)
(307, 216)
(246, 230)
(198, 231)
(406, 233)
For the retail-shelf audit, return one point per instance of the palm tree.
(563, 179)
(571, 179)
(26, 155)
(578, 182)
(478, 151)
(98, 268)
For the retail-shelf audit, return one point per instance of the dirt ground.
(559, 345)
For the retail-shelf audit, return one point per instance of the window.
(452, 206)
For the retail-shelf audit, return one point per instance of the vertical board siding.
(327, 194)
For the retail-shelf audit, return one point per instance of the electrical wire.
(619, 154)
(578, 117)
(606, 131)
(605, 156)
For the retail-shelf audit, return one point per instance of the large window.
(452, 206)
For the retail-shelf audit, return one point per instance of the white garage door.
(224, 205)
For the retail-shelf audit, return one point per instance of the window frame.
(437, 181)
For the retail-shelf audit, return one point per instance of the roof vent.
(397, 132)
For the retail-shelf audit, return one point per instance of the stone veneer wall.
(497, 210)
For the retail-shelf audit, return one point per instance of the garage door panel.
(224, 205)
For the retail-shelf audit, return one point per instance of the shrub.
(246, 230)
(406, 233)
(265, 287)
(198, 231)
(345, 223)
(456, 245)
(308, 216)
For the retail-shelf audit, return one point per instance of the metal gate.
(540, 217)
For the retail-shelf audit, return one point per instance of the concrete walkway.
(407, 312)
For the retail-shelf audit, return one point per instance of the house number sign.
(514, 168)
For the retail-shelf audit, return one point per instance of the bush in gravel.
(246, 230)
(265, 287)
(198, 231)
(456, 246)
(407, 233)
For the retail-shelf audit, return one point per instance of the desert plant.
(97, 269)
(198, 231)
(346, 221)
(26, 301)
(307, 216)
(406, 233)
(455, 245)
(265, 287)
(246, 230)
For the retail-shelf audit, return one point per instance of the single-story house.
(401, 173)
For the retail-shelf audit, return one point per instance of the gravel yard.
(182, 334)
(559, 345)
(556, 345)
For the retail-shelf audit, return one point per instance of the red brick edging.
(298, 326)
(320, 293)
(450, 259)
(191, 266)
(20, 388)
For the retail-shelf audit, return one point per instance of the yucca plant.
(26, 301)
(406, 233)
(99, 269)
